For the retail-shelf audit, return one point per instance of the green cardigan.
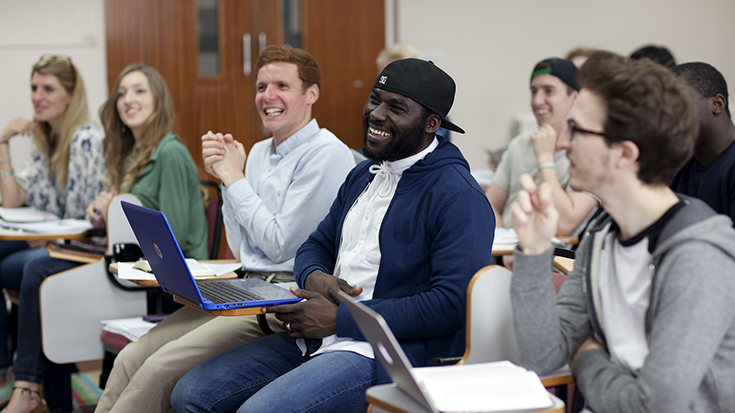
(170, 184)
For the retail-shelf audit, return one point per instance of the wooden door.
(344, 36)
(163, 33)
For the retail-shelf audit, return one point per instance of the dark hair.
(308, 68)
(647, 106)
(705, 79)
(656, 54)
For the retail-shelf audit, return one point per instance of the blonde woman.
(142, 157)
(62, 177)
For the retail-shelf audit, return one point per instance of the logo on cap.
(383, 79)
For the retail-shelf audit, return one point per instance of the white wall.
(490, 46)
(30, 28)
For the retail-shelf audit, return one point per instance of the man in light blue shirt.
(289, 183)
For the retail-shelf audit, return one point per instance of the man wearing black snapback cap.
(407, 231)
(554, 90)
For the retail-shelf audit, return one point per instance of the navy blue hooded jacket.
(437, 232)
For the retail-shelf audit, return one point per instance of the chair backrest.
(118, 228)
(490, 332)
(213, 211)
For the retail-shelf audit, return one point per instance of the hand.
(213, 150)
(19, 126)
(329, 286)
(544, 144)
(224, 157)
(588, 344)
(96, 212)
(535, 217)
(314, 318)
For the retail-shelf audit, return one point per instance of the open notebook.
(484, 387)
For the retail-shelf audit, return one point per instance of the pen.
(96, 214)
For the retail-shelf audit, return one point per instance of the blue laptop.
(159, 245)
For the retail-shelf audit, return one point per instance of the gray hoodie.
(690, 323)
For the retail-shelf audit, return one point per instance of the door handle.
(261, 42)
(247, 59)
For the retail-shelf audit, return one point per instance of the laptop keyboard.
(223, 292)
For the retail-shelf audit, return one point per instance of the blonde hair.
(56, 147)
(396, 52)
(125, 157)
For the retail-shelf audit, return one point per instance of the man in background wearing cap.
(553, 93)
(405, 234)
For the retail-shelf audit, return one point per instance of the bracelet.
(6, 174)
(545, 165)
(5, 141)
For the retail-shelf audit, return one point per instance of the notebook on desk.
(482, 387)
(164, 255)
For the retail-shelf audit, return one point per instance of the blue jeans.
(271, 375)
(13, 255)
(31, 362)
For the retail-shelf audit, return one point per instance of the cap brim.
(450, 126)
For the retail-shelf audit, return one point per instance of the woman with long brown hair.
(142, 157)
(62, 177)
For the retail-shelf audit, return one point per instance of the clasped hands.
(316, 317)
(224, 157)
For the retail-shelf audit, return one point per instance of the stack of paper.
(31, 219)
(130, 328)
(483, 387)
(137, 270)
(25, 214)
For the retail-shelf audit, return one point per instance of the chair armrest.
(559, 377)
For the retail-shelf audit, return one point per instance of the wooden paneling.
(163, 33)
(344, 36)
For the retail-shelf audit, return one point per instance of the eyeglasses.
(573, 128)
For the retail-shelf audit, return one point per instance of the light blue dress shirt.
(286, 192)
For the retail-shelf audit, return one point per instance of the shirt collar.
(401, 165)
(301, 136)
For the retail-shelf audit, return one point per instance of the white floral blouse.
(84, 182)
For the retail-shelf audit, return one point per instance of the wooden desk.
(389, 397)
(229, 276)
(507, 249)
(7, 234)
(564, 264)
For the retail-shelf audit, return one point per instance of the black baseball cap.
(563, 69)
(423, 82)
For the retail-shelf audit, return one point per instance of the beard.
(409, 142)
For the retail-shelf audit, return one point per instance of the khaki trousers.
(146, 371)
